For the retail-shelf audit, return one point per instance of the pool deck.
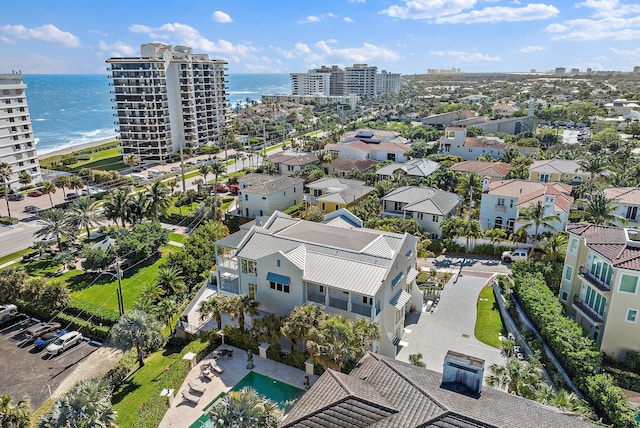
(182, 413)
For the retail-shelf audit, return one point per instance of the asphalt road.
(25, 372)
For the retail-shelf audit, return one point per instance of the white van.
(154, 173)
(138, 178)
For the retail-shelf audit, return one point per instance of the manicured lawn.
(141, 385)
(16, 255)
(177, 237)
(103, 291)
(105, 159)
(488, 320)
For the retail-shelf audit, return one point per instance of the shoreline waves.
(75, 148)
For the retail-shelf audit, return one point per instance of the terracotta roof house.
(600, 285)
(382, 392)
(331, 194)
(627, 203)
(455, 142)
(371, 144)
(414, 168)
(288, 163)
(494, 170)
(428, 206)
(341, 167)
(502, 109)
(502, 201)
(551, 170)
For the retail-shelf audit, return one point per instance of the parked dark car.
(16, 197)
(47, 338)
(41, 328)
(31, 209)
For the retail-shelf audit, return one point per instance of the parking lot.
(26, 372)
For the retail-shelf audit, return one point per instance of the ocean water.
(71, 109)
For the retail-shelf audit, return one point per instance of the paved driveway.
(450, 326)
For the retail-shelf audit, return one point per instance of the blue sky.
(283, 36)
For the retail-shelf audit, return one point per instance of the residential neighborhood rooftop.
(611, 242)
(482, 168)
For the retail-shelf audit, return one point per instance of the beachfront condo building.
(166, 99)
(360, 79)
(327, 81)
(17, 143)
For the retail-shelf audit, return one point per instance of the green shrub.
(294, 358)
(294, 209)
(625, 379)
(240, 338)
(71, 160)
(121, 370)
(632, 361)
(609, 401)
(6, 220)
(84, 157)
(436, 246)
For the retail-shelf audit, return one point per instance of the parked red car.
(234, 189)
(222, 188)
(35, 193)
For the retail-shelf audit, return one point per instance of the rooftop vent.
(632, 237)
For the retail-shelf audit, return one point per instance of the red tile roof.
(610, 242)
(530, 192)
(492, 169)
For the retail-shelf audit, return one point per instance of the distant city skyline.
(400, 36)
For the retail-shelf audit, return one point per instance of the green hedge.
(625, 379)
(294, 358)
(87, 328)
(121, 370)
(242, 339)
(98, 314)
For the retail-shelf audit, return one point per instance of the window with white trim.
(249, 267)
(573, 246)
(632, 316)
(568, 273)
(628, 284)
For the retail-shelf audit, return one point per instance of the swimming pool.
(280, 392)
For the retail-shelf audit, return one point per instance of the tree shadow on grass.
(128, 387)
(41, 267)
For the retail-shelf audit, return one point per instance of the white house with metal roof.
(331, 193)
(262, 194)
(356, 272)
(414, 168)
(426, 205)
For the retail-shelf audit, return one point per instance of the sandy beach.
(68, 150)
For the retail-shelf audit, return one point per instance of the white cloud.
(6, 40)
(186, 35)
(608, 21)
(117, 49)
(302, 48)
(530, 12)
(309, 19)
(221, 17)
(427, 9)
(529, 49)
(323, 52)
(347, 19)
(626, 52)
(46, 33)
(463, 56)
(357, 1)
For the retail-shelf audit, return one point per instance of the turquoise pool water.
(280, 392)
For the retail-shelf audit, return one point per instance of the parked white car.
(7, 311)
(512, 256)
(65, 342)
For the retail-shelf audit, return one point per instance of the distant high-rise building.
(560, 71)
(360, 80)
(636, 69)
(310, 83)
(336, 80)
(17, 144)
(575, 71)
(166, 98)
(387, 83)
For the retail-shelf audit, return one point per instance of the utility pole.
(184, 183)
(120, 297)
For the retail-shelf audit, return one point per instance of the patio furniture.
(216, 368)
(190, 397)
(196, 386)
(207, 373)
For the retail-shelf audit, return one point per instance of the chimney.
(486, 180)
(463, 373)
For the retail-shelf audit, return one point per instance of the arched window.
(498, 224)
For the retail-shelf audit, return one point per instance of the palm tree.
(118, 206)
(470, 185)
(416, 360)
(228, 137)
(171, 184)
(5, 173)
(555, 246)
(62, 182)
(18, 416)
(131, 161)
(204, 170)
(87, 404)
(83, 213)
(522, 378)
(54, 223)
(301, 321)
(214, 306)
(165, 310)
(246, 306)
(25, 178)
(601, 210)
(48, 188)
(137, 329)
(158, 202)
(217, 168)
(536, 215)
(77, 183)
(595, 166)
(151, 290)
(138, 207)
(245, 409)
(170, 280)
